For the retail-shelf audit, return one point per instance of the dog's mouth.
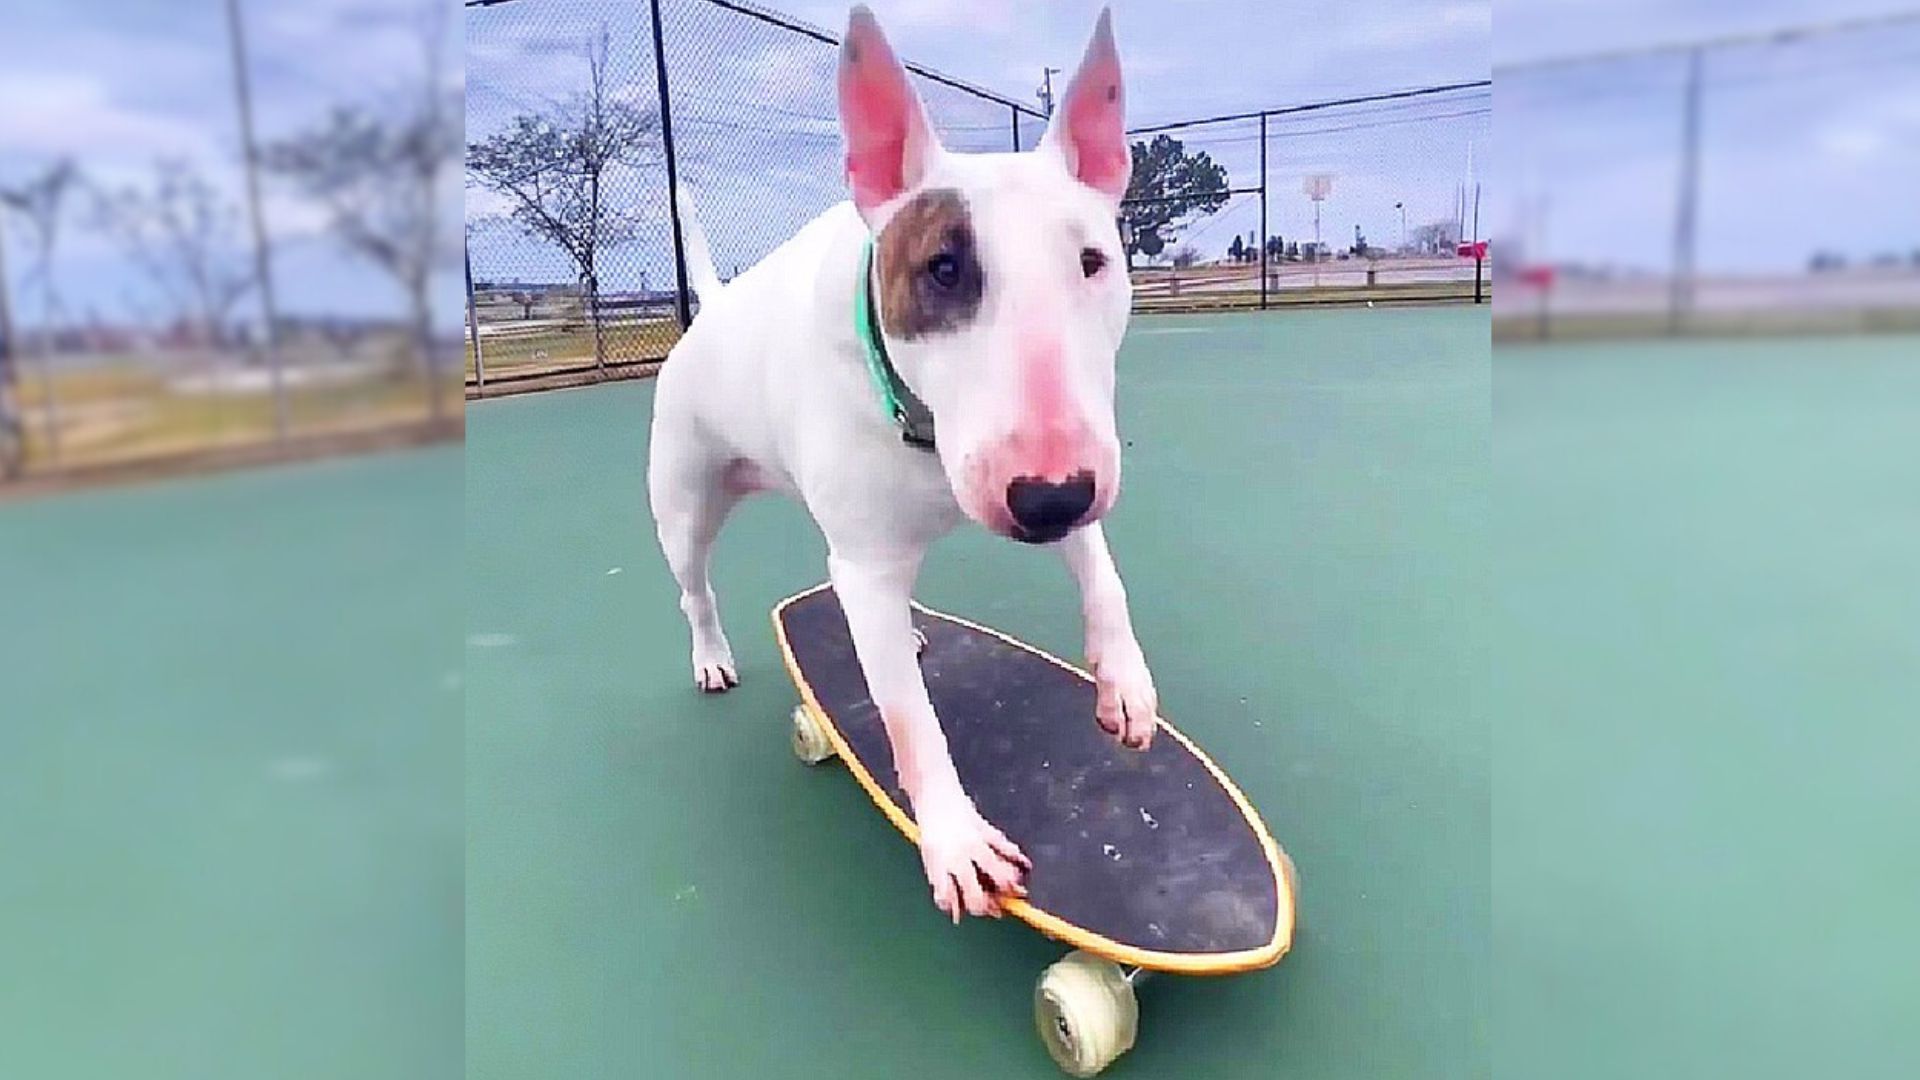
(1040, 536)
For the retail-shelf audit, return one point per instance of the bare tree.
(185, 234)
(378, 175)
(41, 202)
(1435, 237)
(553, 168)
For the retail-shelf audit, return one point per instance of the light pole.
(1045, 93)
(1402, 207)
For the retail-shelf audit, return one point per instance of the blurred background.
(1706, 454)
(216, 243)
(230, 699)
(1730, 183)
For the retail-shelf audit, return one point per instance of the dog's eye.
(1092, 261)
(944, 269)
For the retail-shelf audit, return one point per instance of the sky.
(1803, 149)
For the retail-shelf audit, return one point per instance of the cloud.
(54, 113)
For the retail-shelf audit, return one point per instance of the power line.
(1330, 103)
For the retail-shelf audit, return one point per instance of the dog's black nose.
(1046, 511)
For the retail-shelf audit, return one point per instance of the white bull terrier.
(979, 296)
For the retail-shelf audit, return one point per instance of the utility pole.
(262, 260)
(1045, 93)
(1680, 303)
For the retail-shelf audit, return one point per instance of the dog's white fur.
(769, 391)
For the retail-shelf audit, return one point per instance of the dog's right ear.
(890, 145)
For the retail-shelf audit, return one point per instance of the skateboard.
(1143, 862)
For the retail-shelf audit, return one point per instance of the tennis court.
(230, 775)
(656, 887)
(1704, 689)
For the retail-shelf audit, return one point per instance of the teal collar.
(902, 407)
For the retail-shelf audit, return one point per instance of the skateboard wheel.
(810, 743)
(1086, 1013)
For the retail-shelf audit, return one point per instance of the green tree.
(1168, 188)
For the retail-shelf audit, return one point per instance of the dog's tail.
(700, 272)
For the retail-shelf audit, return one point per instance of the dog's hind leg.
(688, 485)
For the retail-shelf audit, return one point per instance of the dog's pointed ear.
(890, 145)
(1089, 127)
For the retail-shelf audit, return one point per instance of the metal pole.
(1478, 259)
(262, 261)
(1681, 300)
(12, 430)
(1016, 127)
(1263, 211)
(682, 303)
(473, 321)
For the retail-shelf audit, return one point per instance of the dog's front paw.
(1125, 704)
(714, 671)
(970, 864)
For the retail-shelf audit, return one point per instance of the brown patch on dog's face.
(929, 269)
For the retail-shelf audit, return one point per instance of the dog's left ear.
(890, 145)
(1089, 127)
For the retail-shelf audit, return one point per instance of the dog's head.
(1001, 285)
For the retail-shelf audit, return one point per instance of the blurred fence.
(1360, 199)
(182, 312)
(1749, 184)
(574, 265)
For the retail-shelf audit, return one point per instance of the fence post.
(1479, 256)
(13, 437)
(473, 320)
(1681, 301)
(681, 304)
(1015, 110)
(262, 256)
(1263, 211)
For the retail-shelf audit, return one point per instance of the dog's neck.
(899, 401)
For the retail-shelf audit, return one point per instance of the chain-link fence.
(1757, 183)
(581, 114)
(1362, 199)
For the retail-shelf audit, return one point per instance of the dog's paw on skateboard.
(1125, 703)
(970, 864)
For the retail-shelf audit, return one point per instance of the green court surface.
(230, 776)
(1706, 666)
(656, 887)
